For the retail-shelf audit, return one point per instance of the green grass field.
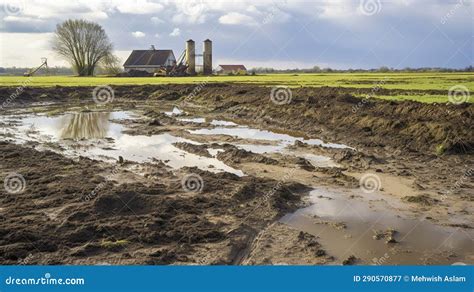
(405, 81)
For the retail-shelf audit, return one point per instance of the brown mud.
(78, 210)
(62, 218)
(329, 112)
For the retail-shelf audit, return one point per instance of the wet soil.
(100, 209)
(329, 112)
(69, 213)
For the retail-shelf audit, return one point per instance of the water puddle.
(210, 121)
(283, 140)
(223, 123)
(349, 222)
(371, 227)
(279, 141)
(95, 135)
(74, 126)
(320, 160)
(175, 112)
(260, 149)
(193, 120)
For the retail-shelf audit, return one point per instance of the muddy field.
(230, 174)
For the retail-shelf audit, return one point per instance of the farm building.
(149, 60)
(164, 63)
(234, 69)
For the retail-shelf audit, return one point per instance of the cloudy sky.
(271, 33)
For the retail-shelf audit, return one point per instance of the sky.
(282, 34)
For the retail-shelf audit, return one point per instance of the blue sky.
(260, 33)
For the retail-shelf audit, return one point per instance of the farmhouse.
(234, 69)
(163, 62)
(149, 60)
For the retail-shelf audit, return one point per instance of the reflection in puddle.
(93, 125)
(193, 120)
(141, 148)
(320, 160)
(75, 126)
(260, 149)
(212, 122)
(84, 133)
(418, 240)
(245, 132)
(95, 134)
(280, 142)
(222, 123)
(175, 112)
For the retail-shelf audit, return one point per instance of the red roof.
(233, 67)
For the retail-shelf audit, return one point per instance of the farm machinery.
(178, 69)
(44, 64)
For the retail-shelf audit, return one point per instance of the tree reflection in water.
(92, 125)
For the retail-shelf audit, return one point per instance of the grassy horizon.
(403, 81)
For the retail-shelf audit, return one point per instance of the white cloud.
(27, 49)
(252, 9)
(280, 19)
(176, 32)
(25, 19)
(193, 8)
(96, 15)
(182, 18)
(138, 34)
(339, 9)
(156, 20)
(235, 18)
(139, 7)
(44, 9)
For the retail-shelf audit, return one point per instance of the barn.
(231, 69)
(149, 60)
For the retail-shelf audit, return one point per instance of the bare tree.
(83, 44)
(110, 65)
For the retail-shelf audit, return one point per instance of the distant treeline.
(19, 71)
(383, 69)
(258, 70)
(41, 72)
